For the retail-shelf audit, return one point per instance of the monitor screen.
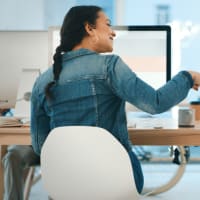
(27, 79)
(146, 50)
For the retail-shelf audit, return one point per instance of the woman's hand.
(196, 79)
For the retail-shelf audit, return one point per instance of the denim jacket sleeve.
(40, 122)
(129, 87)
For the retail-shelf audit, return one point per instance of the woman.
(86, 88)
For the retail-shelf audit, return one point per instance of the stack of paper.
(10, 121)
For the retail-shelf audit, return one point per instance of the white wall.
(32, 14)
(40, 14)
(55, 11)
(24, 49)
(21, 14)
(144, 12)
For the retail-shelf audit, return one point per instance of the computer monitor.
(9, 82)
(27, 79)
(146, 50)
(19, 50)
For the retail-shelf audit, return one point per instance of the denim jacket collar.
(77, 53)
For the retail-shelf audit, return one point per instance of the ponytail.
(57, 67)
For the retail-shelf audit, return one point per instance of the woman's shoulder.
(43, 79)
(110, 58)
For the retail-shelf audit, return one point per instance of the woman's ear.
(89, 29)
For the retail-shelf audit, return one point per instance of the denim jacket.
(92, 90)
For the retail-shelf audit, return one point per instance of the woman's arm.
(40, 122)
(131, 88)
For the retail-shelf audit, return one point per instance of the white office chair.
(80, 162)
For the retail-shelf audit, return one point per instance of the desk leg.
(3, 150)
(173, 181)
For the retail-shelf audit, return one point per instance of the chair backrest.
(82, 162)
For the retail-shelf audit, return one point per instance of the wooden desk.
(15, 135)
(166, 136)
(138, 136)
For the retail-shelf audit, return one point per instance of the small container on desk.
(196, 106)
(186, 117)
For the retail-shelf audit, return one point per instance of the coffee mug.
(186, 117)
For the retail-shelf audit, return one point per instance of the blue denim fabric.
(92, 90)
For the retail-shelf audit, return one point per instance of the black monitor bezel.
(154, 28)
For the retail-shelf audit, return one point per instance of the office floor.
(186, 189)
(156, 174)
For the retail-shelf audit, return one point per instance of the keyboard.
(142, 120)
